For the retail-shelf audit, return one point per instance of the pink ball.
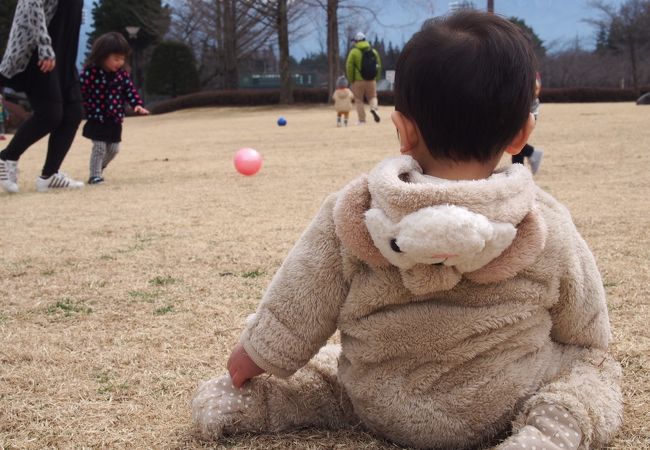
(247, 161)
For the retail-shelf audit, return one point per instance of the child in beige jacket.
(343, 98)
(471, 312)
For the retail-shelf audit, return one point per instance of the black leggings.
(59, 120)
(526, 152)
(55, 97)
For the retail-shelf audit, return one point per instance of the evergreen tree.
(150, 16)
(629, 32)
(391, 56)
(314, 62)
(294, 65)
(603, 41)
(172, 70)
(379, 46)
(115, 15)
(538, 44)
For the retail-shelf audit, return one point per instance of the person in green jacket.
(363, 69)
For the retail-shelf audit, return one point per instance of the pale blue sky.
(557, 22)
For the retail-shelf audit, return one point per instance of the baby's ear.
(407, 131)
(522, 136)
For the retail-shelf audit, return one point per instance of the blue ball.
(282, 121)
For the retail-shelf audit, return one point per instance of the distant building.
(462, 4)
(272, 80)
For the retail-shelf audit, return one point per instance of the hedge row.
(567, 95)
(590, 95)
(241, 97)
(254, 97)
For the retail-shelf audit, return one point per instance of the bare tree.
(222, 33)
(278, 14)
(356, 14)
(187, 26)
(282, 26)
(568, 65)
(628, 29)
(333, 51)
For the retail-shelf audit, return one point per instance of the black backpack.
(368, 64)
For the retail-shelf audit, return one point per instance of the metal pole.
(133, 36)
(490, 6)
(135, 66)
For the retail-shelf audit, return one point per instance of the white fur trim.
(250, 319)
(398, 187)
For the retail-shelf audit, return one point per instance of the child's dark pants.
(526, 152)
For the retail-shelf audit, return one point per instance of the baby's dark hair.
(467, 80)
(106, 45)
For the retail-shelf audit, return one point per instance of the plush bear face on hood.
(444, 234)
(436, 234)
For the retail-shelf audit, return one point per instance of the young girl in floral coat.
(106, 86)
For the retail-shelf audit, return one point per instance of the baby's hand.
(140, 110)
(241, 367)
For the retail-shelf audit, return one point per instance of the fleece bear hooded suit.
(463, 307)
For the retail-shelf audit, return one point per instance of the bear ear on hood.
(528, 244)
(350, 223)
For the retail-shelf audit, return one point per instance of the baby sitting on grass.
(471, 311)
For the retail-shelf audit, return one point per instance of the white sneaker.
(9, 176)
(535, 160)
(361, 123)
(57, 181)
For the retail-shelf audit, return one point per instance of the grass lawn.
(116, 300)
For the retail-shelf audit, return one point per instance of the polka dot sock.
(219, 408)
(547, 428)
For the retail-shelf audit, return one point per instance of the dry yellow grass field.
(116, 300)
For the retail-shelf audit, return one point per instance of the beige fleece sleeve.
(580, 314)
(580, 317)
(300, 308)
(586, 382)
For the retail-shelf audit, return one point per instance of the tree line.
(621, 57)
(189, 45)
(230, 37)
(218, 40)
